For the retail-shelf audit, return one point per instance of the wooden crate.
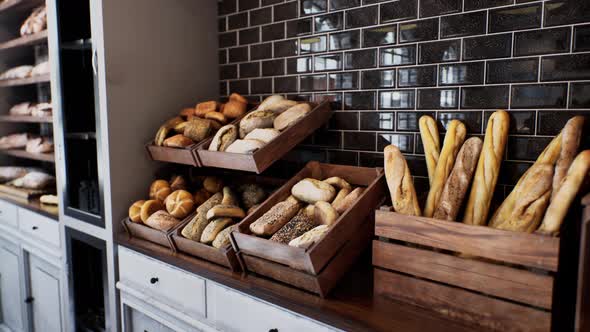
(319, 267)
(261, 159)
(433, 264)
(147, 233)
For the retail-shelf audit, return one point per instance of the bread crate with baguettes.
(505, 271)
(311, 230)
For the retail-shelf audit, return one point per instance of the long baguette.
(400, 183)
(488, 169)
(566, 193)
(453, 140)
(570, 142)
(431, 142)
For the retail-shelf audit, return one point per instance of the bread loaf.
(488, 169)
(229, 198)
(180, 204)
(291, 116)
(149, 207)
(222, 238)
(198, 129)
(245, 146)
(213, 184)
(306, 240)
(256, 119)
(252, 194)
(165, 129)
(571, 135)
(400, 183)
(276, 104)
(263, 134)
(222, 211)
(194, 229)
(178, 141)
(178, 183)
(161, 220)
(338, 182)
(213, 228)
(566, 193)
(296, 227)
(135, 211)
(532, 197)
(340, 197)
(459, 180)
(349, 200)
(311, 191)
(205, 107)
(430, 142)
(160, 189)
(324, 213)
(224, 137)
(275, 218)
(216, 116)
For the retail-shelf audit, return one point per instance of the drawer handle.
(273, 330)
(29, 299)
(35, 228)
(154, 280)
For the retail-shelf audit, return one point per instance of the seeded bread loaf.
(161, 220)
(296, 227)
(213, 228)
(194, 229)
(275, 218)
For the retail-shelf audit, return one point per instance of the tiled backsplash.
(386, 63)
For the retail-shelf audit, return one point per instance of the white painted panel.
(39, 227)
(8, 214)
(10, 290)
(45, 291)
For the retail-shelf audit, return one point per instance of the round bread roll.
(263, 134)
(178, 183)
(201, 196)
(161, 220)
(180, 204)
(324, 213)
(160, 189)
(245, 146)
(135, 211)
(149, 207)
(311, 191)
(238, 98)
(205, 107)
(290, 116)
(234, 109)
(256, 119)
(217, 116)
(213, 184)
(178, 141)
(224, 137)
(198, 129)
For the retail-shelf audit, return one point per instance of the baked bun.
(225, 211)
(149, 207)
(276, 104)
(311, 191)
(214, 228)
(338, 182)
(263, 134)
(135, 211)
(222, 238)
(217, 116)
(213, 184)
(178, 141)
(160, 189)
(245, 146)
(178, 183)
(256, 119)
(201, 196)
(348, 201)
(224, 137)
(205, 107)
(180, 204)
(291, 116)
(234, 109)
(198, 129)
(161, 220)
(324, 213)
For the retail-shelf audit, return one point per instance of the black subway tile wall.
(384, 63)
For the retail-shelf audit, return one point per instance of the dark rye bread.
(296, 227)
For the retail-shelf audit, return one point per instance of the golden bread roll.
(324, 213)
(453, 141)
(488, 169)
(238, 97)
(165, 129)
(180, 204)
(213, 184)
(186, 112)
(275, 218)
(532, 198)
(349, 200)
(161, 220)
(400, 183)
(224, 137)
(198, 129)
(338, 182)
(296, 227)
(310, 237)
(340, 197)
(217, 116)
(201, 196)
(311, 191)
(431, 142)
(213, 228)
(194, 229)
(149, 207)
(256, 119)
(309, 210)
(277, 104)
(205, 107)
(225, 211)
(179, 128)
(178, 183)
(566, 193)
(178, 141)
(459, 180)
(160, 189)
(135, 211)
(234, 109)
(571, 135)
(222, 238)
(291, 116)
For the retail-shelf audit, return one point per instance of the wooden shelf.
(29, 40)
(19, 5)
(26, 118)
(25, 81)
(49, 157)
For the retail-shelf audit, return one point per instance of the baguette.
(532, 199)
(488, 169)
(222, 238)
(399, 181)
(228, 211)
(453, 140)
(349, 200)
(431, 142)
(340, 197)
(213, 228)
(566, 193)
(570, 142)
(459, 180)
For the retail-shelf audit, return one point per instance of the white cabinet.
(45, 298)
(11, 300)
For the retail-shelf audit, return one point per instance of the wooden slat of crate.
(497, 280)
(461, 304)
(530, 250)
(142, 231)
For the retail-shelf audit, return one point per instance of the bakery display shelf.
(141, 231)
(28, 40)
(18, 5)
(433, 263)
(26, 119)
(318, 268)
(263, 158)
(25, 81)
(32, 204)
(48, 157)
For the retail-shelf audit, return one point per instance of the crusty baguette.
(340, 197)
(532, 199)
(453, 140)
(349, 200)
(570, 142)
(488, 169)
(548, 156)
(431, 142)
(400, 182)
(566, 193)
(459, 180)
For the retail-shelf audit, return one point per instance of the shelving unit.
(19, 5)
(26, 119)
(25, 81)
(48, 157)
(23, 41)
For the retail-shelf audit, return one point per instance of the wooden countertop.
(351, 306)
(50, 211)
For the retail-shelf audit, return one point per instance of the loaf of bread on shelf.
(160, 189)
(459, 180)
(222, 238)
(135, 211)
(225, 211)
(40, 69)
(150, 207)
(224, 138)
(161, 220)
(430, 142)
(213, 228)
(251, 194)
(291, 116)
(342, 193)
(41, 110)
(14, 141)
(256, 119)
(49, 199)
(488, 169)
(570, 142)
(16, 72)
(9, 173)
(275, 218)
(34, 180)
(180, 204)
(39, 145)
(35, 22)
(532, 198)
(348, 201)
(276, 104)
(245, 146)
(20, 109)
(205, 107)
(566, 193)
(198, 129)
(297, 226)
(263, 134)
(178, 141)
(235, 107)
(454, 138)
(165, 129)
(310, 190)
(194, 229)
(338, 182)
(400, 182)
(324, 213)
(306, 240)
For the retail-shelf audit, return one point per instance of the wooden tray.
(510, 287)
(261, 159)
(315, 259)
(144, 232)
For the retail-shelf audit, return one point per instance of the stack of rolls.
(474, 166)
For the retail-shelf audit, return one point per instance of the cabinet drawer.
(8, 214)
(163, 282)
(232, 311)
(39, 227)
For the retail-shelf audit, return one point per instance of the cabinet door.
(136, 321)
(45, 294)
(10, 288)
